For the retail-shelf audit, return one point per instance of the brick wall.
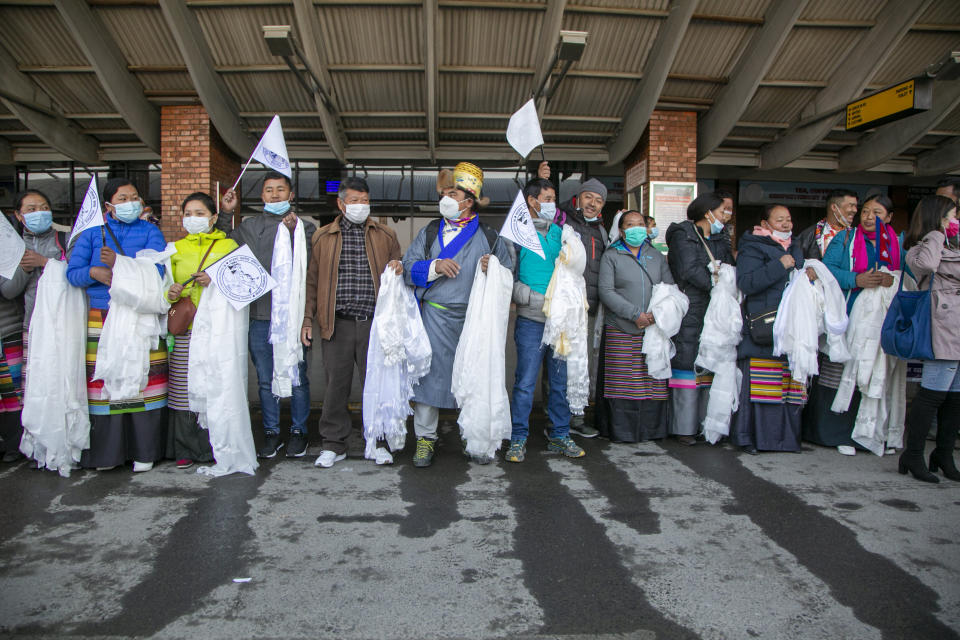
(193, 158)
(669, 145)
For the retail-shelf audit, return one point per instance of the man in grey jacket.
(259, 233)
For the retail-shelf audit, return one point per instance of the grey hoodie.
(25, 284)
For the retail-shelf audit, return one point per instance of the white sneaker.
(890, 451)
(846, 450)
(382, 456)
(140, 467)
(328, 458)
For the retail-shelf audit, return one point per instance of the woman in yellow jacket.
(187, 442)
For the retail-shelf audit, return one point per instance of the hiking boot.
(271, 444)
(517, 451)
(297, 445)
(566, 446)
(423, 456)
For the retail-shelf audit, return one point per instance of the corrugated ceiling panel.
(690, 89)
(179, 81)
(258, 125)
(813, 54)
(304, 136)
(100, 123)
(45, 26)
(370, 35)
(486, 37)
(615, 43)
(942, 11)
(846, 10)
(656, 5)
(592, 97)
(75, 92)
(754, 132)
(235, 34)
(914, 53)
(716, 60)
(482, 93)
(399, 123)
(379, 91)
(733, 8)
(951, 122)
(142, 35)
(494, 124)
(777, 104)
(354, 136)
(268, 92)
(605, 128)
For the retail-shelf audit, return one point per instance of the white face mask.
(449, 208)
(782, 235)
(357, 213)
(548, 210)
(196, 224)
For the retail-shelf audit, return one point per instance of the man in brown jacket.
(343, 279)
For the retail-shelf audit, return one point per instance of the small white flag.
(518, 227)
(523, 130)
(240, 277)
(90, 214)
(11, 248)
(272, 150)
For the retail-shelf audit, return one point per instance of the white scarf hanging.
(722, 332)
(217, 383)
(565, 305)
(398, 355)
(870, 369)
(134, 325)
(479, 372)
(289, 268)
(668, 305)
(56, 419)
(832, 320)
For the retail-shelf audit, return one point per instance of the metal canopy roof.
(435, 80)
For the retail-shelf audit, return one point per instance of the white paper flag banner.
(11, 248)
(272, 150)
(240, 277)
(90, 214)
(519, 229)
(523, 130)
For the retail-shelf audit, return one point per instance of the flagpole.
(243, 171)
(218, 197)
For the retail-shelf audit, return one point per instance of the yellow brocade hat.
(468, 177)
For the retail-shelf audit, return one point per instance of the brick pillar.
(193, 158)
(669, 148)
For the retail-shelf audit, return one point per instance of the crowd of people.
(649, 323)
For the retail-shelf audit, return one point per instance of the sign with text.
(900, 101)
(800, 194)
(669, 201)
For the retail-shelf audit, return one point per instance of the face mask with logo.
(196, 224)
(782, 235)
(128, 211)
(38, 221)
(635, 236)
(548, 210)
(277, 208)
(653, 233)
(449, 208)
(357, 213)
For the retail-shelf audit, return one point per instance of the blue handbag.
(906, 327)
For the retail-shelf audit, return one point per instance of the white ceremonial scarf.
(288, 299)
(668, 305)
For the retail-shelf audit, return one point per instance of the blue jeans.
(940, 375)
(261, 352)
(530, 355)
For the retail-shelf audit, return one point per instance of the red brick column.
(669, 147)
(193, 158)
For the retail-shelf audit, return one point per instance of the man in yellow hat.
(441, 264)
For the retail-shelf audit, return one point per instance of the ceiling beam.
(944, 159)
(549, 35)
(121, 86)
(431, 71)
(213, 92)
(659, 60)
(747, 75)
(847, 82)
(894, 138)
(37, 112)
(306, 17)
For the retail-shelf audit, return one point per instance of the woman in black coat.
(771, 402)
(688, 243)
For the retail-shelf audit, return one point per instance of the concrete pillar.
(193, 158)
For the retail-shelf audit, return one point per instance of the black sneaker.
(297, 445)
(423, 456)
(271, 444)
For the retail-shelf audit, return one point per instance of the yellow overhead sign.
(904, 99)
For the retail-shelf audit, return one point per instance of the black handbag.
(760, 326)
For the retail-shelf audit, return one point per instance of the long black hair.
(927, 217)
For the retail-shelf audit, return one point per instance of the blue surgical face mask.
(277, 208)
(127, 211)
(548, 210)
(653, 233)
(38, 221)
(716, 226)
(635, 236)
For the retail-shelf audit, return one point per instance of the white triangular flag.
(523, 130)
(272, 150)
(240, 277)
(90, 214)
(11, 248)
(519, 229)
